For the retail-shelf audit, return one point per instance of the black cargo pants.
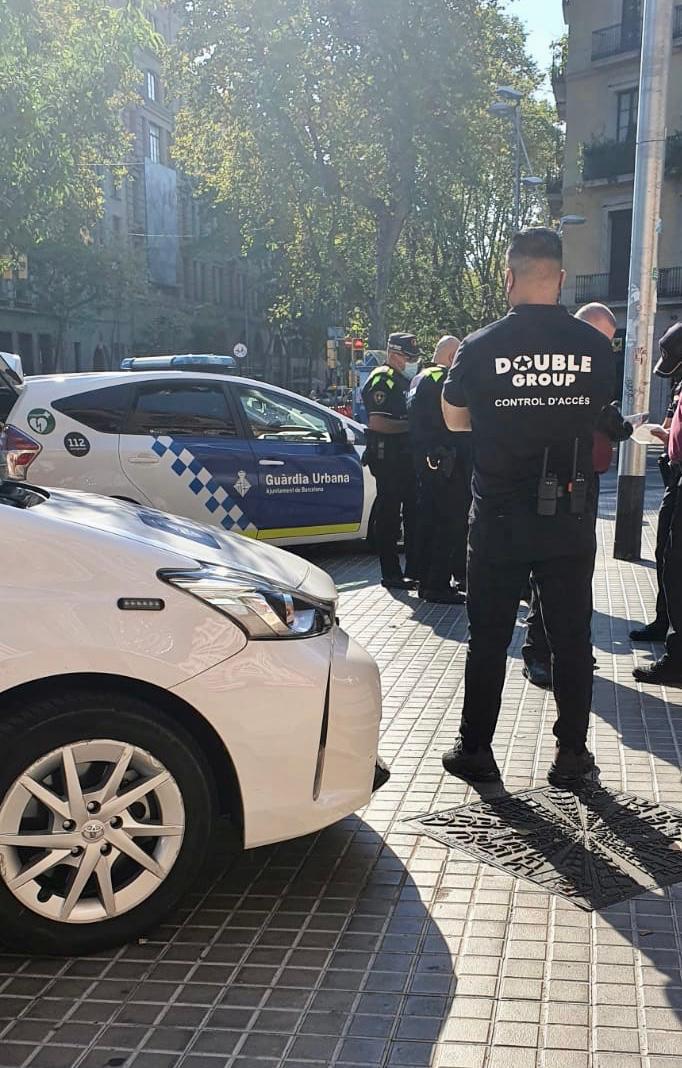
(564, 586)
(536, 648)
(665, 518)
(395, 503)
(443, 503)
(672, 571)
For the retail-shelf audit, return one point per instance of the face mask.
(411, 370)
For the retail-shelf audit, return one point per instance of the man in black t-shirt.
(389, 459)
(443, 482)
(530, 387)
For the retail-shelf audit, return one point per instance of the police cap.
(405, 344)
(670, 362)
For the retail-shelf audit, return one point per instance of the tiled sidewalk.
(369, 946)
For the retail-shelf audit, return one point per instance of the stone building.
(597, 96)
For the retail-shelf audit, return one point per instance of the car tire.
(95, 889)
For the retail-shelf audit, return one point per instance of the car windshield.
(17, 495)
(269, 419)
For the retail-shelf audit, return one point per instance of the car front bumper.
(300, 721)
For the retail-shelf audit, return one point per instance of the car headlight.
(259, 606)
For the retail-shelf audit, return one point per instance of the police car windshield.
(269, 420)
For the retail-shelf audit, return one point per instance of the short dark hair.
(535, 243)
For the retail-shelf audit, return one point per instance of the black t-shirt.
(384, 393)
(535, 380)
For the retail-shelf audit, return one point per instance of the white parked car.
(155, 673)
(228, 451)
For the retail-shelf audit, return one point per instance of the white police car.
(186, 436)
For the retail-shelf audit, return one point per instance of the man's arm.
(456, 418)
(455, 397)
(384, 424)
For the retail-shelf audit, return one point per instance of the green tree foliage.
(353, 141)
(66, 71)
(76, 275)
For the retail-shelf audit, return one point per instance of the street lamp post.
(509, 106)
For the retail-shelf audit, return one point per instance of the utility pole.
(642, 289)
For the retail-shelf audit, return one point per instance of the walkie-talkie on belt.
(548, 489)
(577, 487)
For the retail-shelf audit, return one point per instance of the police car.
(185, 435)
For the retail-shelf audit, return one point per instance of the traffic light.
(331, 355)
(358, 349)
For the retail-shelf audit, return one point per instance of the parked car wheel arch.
(224, 783)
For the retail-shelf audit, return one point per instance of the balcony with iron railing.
(626, 37)
(605, 287)
(610, 159)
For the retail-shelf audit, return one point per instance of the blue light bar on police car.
(207, 362)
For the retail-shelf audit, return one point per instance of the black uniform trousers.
(672, 571)
(536, 648)
(494, 587)
(665, 518)
(443, 503)
(396, 502)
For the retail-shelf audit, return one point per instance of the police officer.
(530, 388)
(442, 490)
(611, 427)
(389, 459)
(667, 671)
(657, 630)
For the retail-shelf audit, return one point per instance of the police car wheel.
(105, 819)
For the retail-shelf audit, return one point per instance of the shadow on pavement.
(316, 950)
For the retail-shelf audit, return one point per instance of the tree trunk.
(389, 225)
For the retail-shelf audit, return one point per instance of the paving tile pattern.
(369, 945)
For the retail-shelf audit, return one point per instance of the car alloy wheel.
(90, 830)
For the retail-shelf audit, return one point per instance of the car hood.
(184, 537)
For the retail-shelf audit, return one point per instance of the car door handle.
(271, 463)
(143, 458)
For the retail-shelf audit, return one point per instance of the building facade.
(597, 96)
(190, 288)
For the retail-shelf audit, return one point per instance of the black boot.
(477, 766)
(665, 671)
(538, 674)
(446, 596)
(652, 632)
(569, 767)
(399, 582)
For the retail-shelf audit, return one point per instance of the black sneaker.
(652, 632)
(399, 582)
(479, 766)
(664, 671)
(570, 767)
(538, 674)
(448, 596)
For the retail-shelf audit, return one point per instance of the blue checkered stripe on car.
(225, 511)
